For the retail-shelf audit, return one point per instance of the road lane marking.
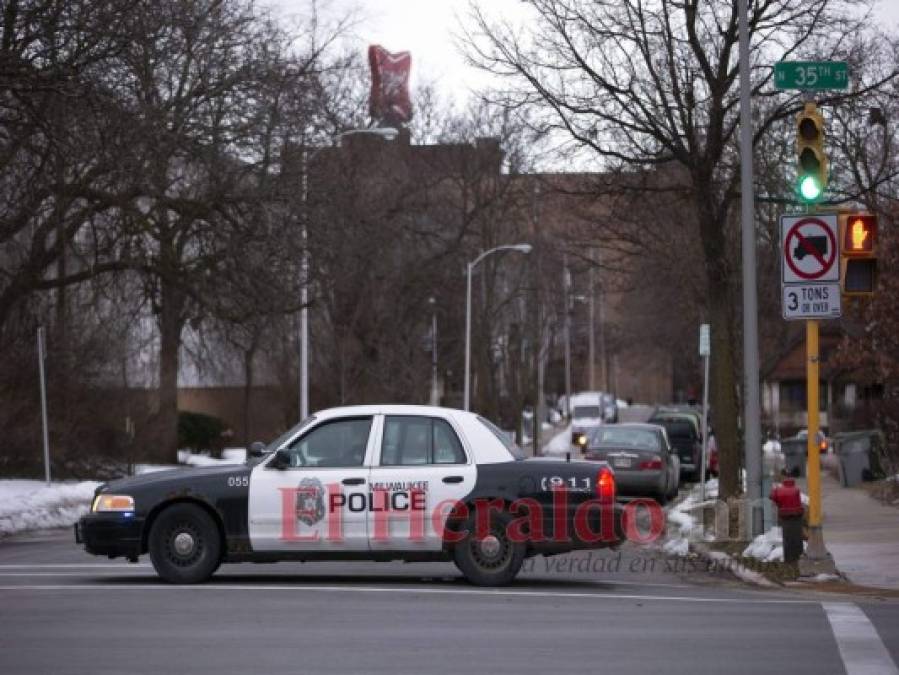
(53, 566)
(87, 573)
(142, 573)
(860, 645)
(404, 590)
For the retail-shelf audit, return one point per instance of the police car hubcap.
(490, 546)
(184, 543)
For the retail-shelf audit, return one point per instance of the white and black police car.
(388, 482)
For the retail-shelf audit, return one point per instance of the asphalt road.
(62, 611)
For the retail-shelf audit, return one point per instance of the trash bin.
(795, 451)
(858, 458)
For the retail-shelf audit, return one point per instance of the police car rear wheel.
(185, 544)
(489, 558)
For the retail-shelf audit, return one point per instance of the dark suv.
(684, 437)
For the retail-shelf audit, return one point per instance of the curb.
(738, 570)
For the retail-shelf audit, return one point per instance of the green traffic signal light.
(811, 158)
(809, 188)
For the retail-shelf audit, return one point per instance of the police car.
(385, 482)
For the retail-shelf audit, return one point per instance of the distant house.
(843, 397)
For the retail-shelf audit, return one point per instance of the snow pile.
(740, 571)
(32, 505)
(767, 547)
(238, 455)
(821, 578)
(152, 468)
(676, 546)
(682, 525)
(229, 456)
(771, 447)
(560, 443)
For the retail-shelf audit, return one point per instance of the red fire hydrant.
(788, 499)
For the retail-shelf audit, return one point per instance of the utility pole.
(591, 338)
(566, 288)
(304, 293)
(603, 355)
(45, 424)
(538, 341)
(752, 442)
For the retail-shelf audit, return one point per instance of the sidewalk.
(861, 533)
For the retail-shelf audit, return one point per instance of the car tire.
(672, 491)
(185, 544)
(493, 560)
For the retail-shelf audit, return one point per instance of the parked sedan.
(642, 457)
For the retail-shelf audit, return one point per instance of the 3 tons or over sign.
(811, 301)
(810, 249)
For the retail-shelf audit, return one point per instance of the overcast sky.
(426, 28)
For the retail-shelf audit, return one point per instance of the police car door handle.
(353, 481)
(453, 479)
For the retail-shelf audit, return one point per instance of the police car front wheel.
(185, 544)
(487, 556)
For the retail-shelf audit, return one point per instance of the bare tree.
(641, 85)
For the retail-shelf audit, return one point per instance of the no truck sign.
(810, 263)
(809, 245)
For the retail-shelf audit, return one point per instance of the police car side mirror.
(256, 449)
(280, 461)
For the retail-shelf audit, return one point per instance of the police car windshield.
(504, 438)
(283, 438)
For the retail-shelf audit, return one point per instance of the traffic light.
(858, 253)
(812, 163)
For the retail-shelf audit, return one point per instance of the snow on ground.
(229, 456)
(560, 443)
(740, 571)
(682, 525)
(152, 468)
(32, 504)
(767, 547)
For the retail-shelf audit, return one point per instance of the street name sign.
(811, 301)
(810, 247)
(811, 75)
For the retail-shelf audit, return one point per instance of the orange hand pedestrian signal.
(858, 257)
(859, 235)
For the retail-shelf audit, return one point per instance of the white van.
(587, 412)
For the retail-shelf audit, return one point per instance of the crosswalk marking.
(860, 645)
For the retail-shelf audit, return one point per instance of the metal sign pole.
(705, 349)
(752, 442)
(705, 428)
(43, 376)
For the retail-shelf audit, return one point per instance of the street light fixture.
(520, 248)
(388, 134)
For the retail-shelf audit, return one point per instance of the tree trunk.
(171, 324)
(722, 386)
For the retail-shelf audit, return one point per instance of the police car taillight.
(605, 485)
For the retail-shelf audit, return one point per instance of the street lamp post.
(435, 396)
(388, 134)
(521, 248)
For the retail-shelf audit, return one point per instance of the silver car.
(641, 455)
